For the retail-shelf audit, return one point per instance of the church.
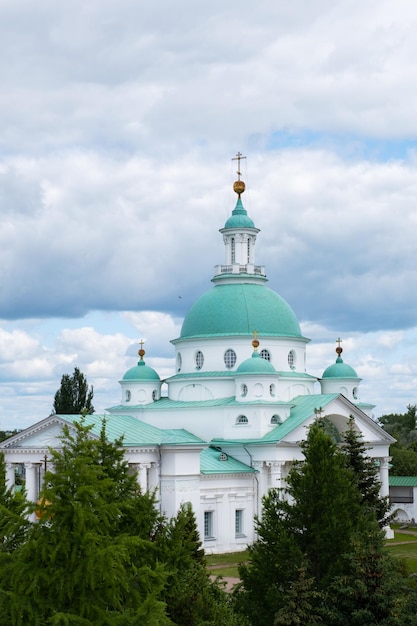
(227, 425)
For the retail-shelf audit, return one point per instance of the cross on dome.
(238, 185)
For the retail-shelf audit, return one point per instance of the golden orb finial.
(255, 342)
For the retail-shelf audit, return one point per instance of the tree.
(366, 475)
(101, 553)
(75, 566)
(320, 558)
(74, 396)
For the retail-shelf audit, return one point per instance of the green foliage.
(366, 475)
(13, 507)
(5, 434)
(320, 558)
(73, 397)
(75, 566)
(101, 554)
(403, 461)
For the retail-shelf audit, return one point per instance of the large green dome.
(240, 309)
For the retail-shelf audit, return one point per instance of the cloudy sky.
(118, 124)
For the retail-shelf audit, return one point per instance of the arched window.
(233, 249)
(248, 250)
(128, 395)
(242, 419)
(265, 354)
(179, 362)
(291, 359)
(272, 389)
(229, 358)
(154, 395)
(275, 419)
(199, 360)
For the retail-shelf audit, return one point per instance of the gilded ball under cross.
(239, 186)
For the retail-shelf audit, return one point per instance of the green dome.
(239, 217)
(339, 370)
(256, 365)
(240, 309)
(141, 371)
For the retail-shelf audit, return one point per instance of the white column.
(143, 476)
(10, 475)
(276, 474)
(384, 474)
(31, 481)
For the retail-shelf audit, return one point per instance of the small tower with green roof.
(341, 378)
(141, 384)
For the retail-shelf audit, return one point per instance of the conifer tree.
(366, 475)
(75, 566)
(320, 558)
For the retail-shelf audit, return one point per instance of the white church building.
(227, 425)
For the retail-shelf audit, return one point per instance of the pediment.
(43, 435)
(338, 411)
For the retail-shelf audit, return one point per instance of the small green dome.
(239, 309)
(239, 217)
(256, 365)
(141, 371)
(339, 370)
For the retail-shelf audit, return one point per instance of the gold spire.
(238, 185)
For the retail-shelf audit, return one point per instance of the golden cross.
(141, 341)
(338, 341)
(238, 158)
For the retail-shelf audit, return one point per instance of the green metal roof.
(232, 374)
(403, 481)
(239, 217)
(237, 309)
(302, 408)
(256, 365)
(211, 463)
(167, 403)
(141, 371)
(339, 370)
(133, 431)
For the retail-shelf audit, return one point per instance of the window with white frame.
(244, 390)
(233, 250)
(239, 522)
(229, 358)
(128, 395)
(275, 419)
(242, 419)
(208, 525)
(199, 360)
(179, 362)
(265, 354)
(272, 389)
(291, 359)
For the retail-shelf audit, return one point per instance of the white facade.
(227, 426)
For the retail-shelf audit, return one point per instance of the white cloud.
(117, 123)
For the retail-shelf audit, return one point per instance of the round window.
(244, 390)
(199, 360)
(229, 358)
